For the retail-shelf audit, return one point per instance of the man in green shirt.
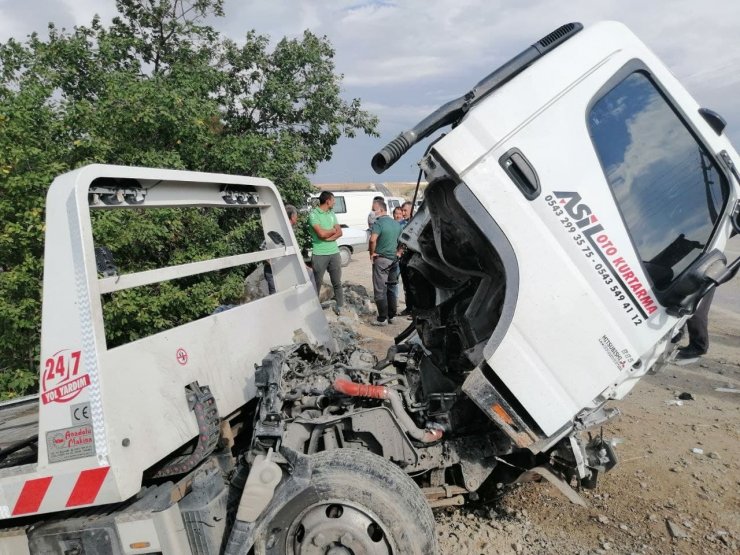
(325, 231)
(383, 244)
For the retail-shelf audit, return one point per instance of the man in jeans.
(325, 231)
(383, 244)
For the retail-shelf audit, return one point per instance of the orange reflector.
(502, 414)
(139, 545)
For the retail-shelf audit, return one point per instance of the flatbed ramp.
(19, 424)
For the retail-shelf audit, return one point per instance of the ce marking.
(80, 412)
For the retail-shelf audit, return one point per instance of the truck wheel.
(346, 254)
(357, 503)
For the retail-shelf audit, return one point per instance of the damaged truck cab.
(575, 216)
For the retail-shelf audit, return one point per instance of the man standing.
(373, 215)
(698, 326)
(407, 208)
(383, 244)
(325, 231)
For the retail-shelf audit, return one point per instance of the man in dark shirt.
(383, 244)
(373, 215)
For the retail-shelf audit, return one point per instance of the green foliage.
(155, 88)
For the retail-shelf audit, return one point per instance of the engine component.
(264, 476)
(382, 392)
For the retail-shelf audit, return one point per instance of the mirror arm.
(730, 272)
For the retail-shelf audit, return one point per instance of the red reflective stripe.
(31, 496)
(87, 487)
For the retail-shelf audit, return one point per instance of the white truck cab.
(574, 217)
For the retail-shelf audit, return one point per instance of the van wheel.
(346, 254)
(357, 502)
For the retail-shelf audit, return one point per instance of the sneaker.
(687, 355)
(406, 312)
(390, 319)
(379, 322)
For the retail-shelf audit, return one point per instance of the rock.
(606, 546)
(685, 396)
(327, 292)
(713, 455)
(697, 451)
(255, 285)
(518, 547)
(720, 533)
(602, 519)
(624, 527)
(675, 530)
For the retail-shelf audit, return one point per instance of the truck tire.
(357, 503)
(346, 254)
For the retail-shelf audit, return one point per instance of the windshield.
(667, 186)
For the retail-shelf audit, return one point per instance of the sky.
(403, 59)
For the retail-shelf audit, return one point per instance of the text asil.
(594, 232)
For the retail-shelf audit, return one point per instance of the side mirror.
(684, 294)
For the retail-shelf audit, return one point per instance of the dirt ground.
(661, 498)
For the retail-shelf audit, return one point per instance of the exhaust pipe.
(454, 110)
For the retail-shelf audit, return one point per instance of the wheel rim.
(345, 255)
(338, 528)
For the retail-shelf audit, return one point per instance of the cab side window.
(666, 184)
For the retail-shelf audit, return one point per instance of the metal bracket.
(561, 485)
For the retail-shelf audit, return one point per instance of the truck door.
(592, 165)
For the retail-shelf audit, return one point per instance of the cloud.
(396, 70)
(417, 54)
(396, 117)
(81, 12)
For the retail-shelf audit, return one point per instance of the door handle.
(521, 172)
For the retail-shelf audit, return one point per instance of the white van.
(393, 203)
(351, 207)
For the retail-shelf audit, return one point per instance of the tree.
(189, 99)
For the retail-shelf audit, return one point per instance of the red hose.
(432, 435)
(353, 389)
